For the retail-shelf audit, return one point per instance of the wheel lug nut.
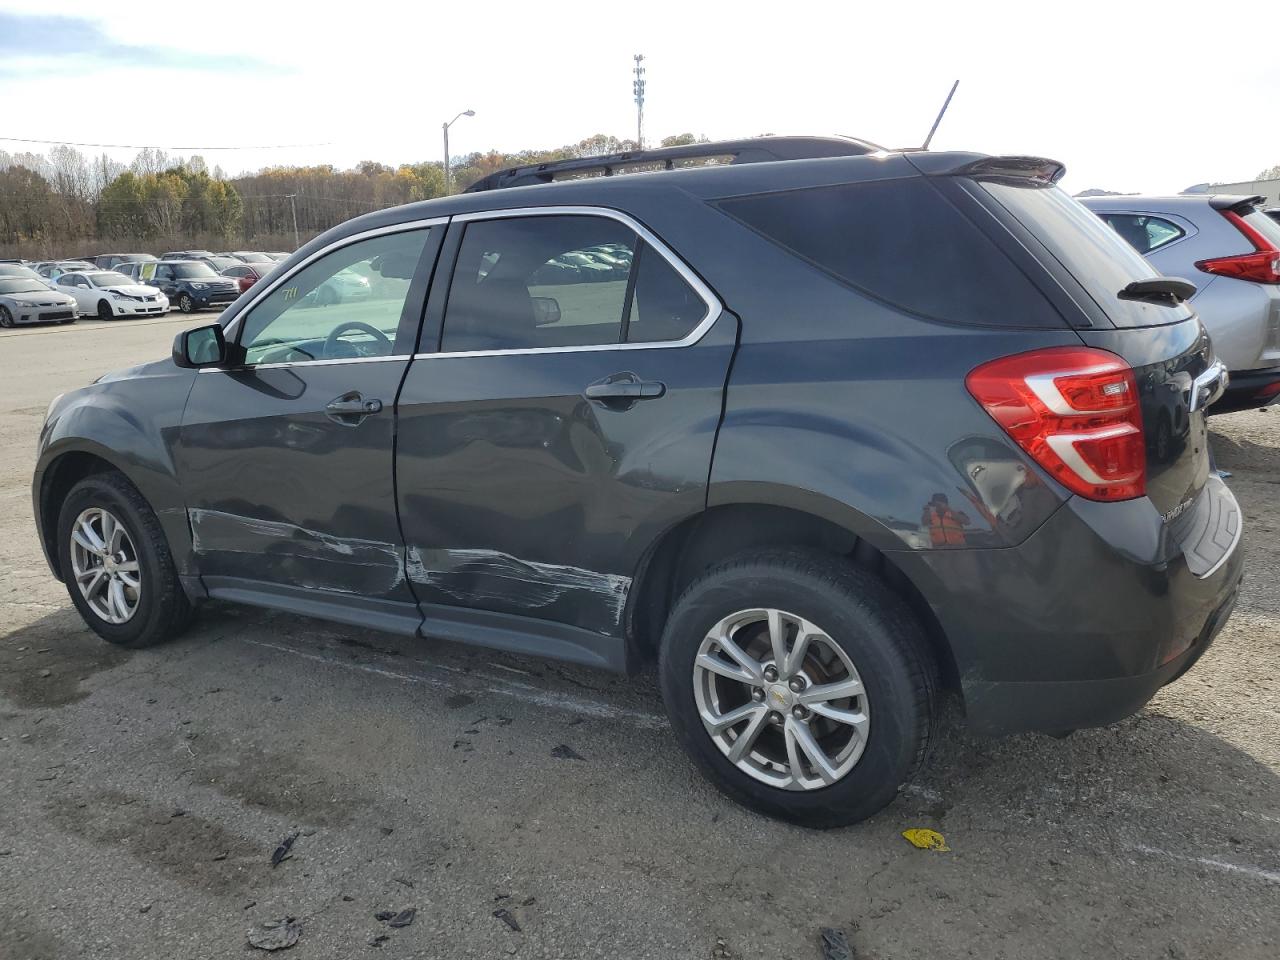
(775, 718)
(771, 673)
(799, 712)
(757, 695)
(796, 684)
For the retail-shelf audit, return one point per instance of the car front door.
(562, 420)
(78, 287)
(286, 456)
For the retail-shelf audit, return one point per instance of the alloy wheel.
(104, 563)
(781, 700)
(6, 318)
(186, 304)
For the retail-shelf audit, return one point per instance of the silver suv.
(1230, 249)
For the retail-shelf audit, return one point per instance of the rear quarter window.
(903, 243)
(1093, 253)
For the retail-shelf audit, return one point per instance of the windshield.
(1265, 225)
(254, 257)
(193, 271)
(1094, 254)
(22, 286)
(17, 270)
(109, 279)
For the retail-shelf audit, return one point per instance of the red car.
(247, 274)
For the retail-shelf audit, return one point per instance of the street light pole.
(637, 86)
(448, 186)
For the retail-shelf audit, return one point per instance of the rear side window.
(1090, 251)
(1143, 233)
(563, 281)
(903, 243)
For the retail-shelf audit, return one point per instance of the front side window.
(563, 281)
(1144, 233)
(345, 305)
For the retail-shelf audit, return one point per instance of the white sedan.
(109, 294)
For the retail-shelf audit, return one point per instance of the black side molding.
(1169, 291)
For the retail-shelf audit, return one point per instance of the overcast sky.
(1132, 96)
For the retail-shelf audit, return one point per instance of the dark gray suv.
(823, 430)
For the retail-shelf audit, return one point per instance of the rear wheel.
(104, 311)
(6, 318)
(800, 685)
(116, 563)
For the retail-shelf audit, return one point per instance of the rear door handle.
(625, 387)
(351, 408)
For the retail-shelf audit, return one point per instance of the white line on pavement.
(1257, 873)
(491, 684)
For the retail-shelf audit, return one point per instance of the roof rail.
(754, 150)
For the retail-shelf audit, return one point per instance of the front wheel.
(6, 318)
(800, 685)
(116, 563)
(104, 311)
(186, 304)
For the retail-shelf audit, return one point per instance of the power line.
(135, 146)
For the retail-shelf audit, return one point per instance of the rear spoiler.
(1040, 169)
(1237, 204)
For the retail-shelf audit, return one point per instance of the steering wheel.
(331, 341)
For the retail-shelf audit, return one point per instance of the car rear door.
(286, 456)
(557, 418)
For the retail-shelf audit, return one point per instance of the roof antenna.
(946, 103)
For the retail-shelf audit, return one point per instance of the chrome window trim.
(231, 330)
(325, 362)
(705, 294)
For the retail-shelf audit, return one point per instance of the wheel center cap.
(779, 696)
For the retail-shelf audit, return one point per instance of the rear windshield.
(1094, 254)
(1265, 225)
(903, 243)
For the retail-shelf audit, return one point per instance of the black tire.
(868, 621)
(104, 311)
(163, 610)
(6, 318)
(186, 304)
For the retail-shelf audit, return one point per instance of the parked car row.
(127, 284)
(1229, 247)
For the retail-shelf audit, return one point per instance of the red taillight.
(1075, 410)
(1261, 266)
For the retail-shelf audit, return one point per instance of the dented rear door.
(539, 451)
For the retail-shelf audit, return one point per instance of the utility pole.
(294, 207)
(637, 85)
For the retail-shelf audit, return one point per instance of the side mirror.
(201, 347)
(546, 311)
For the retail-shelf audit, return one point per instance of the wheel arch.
(64, 465)
(700, 541)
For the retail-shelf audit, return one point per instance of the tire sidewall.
(96, 492)
(108, 313)
(867, 637)
(6, 318)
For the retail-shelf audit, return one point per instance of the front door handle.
(624, 388)
(350, 409)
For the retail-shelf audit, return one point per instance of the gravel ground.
(144, 792)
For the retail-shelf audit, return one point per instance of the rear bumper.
(1249, 389)
(1084, 621)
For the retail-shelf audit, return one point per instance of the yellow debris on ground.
(924, 839)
